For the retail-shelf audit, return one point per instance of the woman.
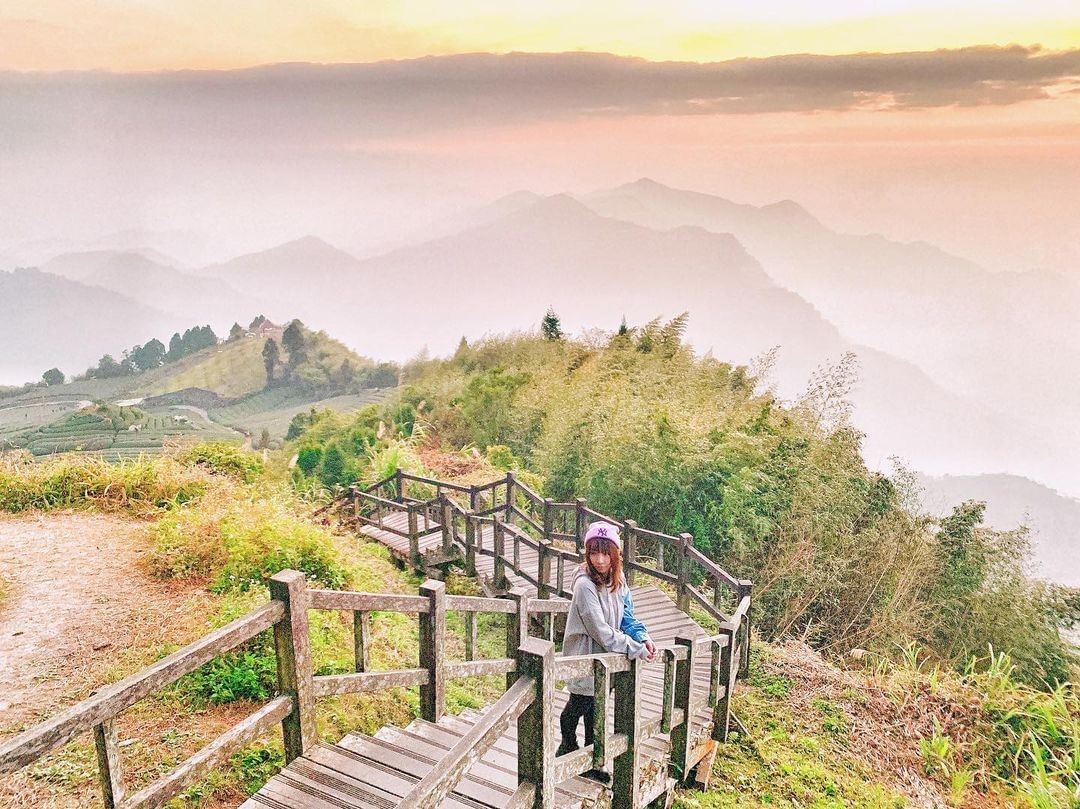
(601, 619)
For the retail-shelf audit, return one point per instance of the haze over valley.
(401, 205)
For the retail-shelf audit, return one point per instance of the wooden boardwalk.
(377, 772)
(655, 721)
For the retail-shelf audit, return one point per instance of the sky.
(255, 122)
(126, 35)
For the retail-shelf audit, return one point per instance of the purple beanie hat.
(604, 530)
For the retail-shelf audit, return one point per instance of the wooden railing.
(520, 517)
(99, 712)
(530, 667)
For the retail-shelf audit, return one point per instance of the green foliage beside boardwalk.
(777, 492)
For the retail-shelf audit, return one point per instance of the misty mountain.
(307, 265)
(1012, 501)
(998, 338)
(153, 282)
(47, 320)
(195, 298)
(83, 264)
(501, 275)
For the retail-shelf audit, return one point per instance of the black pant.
(579, 706)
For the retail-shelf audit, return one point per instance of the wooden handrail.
(434, 787)
(458, 487)
(712, 568)
(112, 699)
(214, 754)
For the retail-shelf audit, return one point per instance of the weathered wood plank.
(437, 784)
(331, 684)
(680, 733)
(110, 772)
(294, 666)
(362, 641)
(477, 668)
(625, 785)
(433, 651)
(536, 725)
(479, 604)
(195, 768)
(367, 602)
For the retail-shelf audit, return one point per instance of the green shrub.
(224, 459)
(234, 543)
(247, 674)
(140, 486)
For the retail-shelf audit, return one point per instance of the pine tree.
(176, 348)
(270, 354)
(236, 332)
(332, 470)
(550, 326)
(54, 376)
(292, 340)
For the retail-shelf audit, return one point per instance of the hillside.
(217, 393)
(1012, 501)
(48, 321)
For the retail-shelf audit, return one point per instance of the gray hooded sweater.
(592, 627)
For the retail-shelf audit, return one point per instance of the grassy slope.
(275, 408)
(230, 370)
(41, 417)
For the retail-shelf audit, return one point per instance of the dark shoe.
(565, 748)
(598, 775)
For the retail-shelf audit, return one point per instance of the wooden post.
(473, 494)
(714, 673)
(580, 524)
(110, 773)
(536, 724)
(549, 518)
(362, 640)
(401, 486)
(625, 787)
(601, 696)
(667, 692)
(415, 559)
(517, 629)
(509, 496)
(432, 640)
(746, 589)
(500, 560)
(680, 734)
(446, 517)
(683, 596)
(543, 570)
(470, 546)
(470, 635)
(629, 545)
(722, 709)
(293, 649)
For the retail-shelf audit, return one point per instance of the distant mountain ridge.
(1001, 339)
(49, 321)
(1012, 501)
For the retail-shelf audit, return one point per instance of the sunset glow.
(155, 35)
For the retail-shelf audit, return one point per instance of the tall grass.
(143, 486)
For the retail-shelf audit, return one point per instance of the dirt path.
(77, 602)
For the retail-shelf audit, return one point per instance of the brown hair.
(609, 548)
